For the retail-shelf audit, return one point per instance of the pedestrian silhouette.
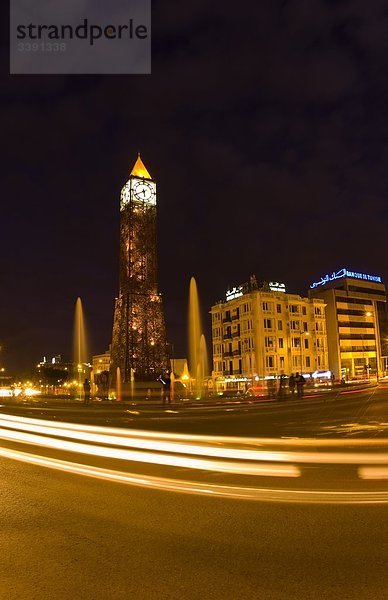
(281, 386)
(291, 384)
(86, 392)
(166, 382)
(300, 381)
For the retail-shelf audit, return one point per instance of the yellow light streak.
(217, 440)
(222, 491)
(373, 472)
(176, 446)
(266, 457)
(151, 457)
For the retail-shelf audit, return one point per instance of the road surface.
(67, 535)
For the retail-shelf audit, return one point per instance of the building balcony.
(227, 336)
(236, 334)
(227, 320)
(236, 353)
(227, 354)
(235, 317)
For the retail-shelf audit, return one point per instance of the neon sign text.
(235, 292)
(275, 286)
(345, 273)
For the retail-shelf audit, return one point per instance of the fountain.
(132, 383)
(198, 366)
(172, 386)
(80, 350)
(118, 384)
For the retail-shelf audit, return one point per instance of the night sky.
(265, 125)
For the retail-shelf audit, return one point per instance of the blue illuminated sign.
(345, 273)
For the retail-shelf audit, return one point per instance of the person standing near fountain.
(166, 382)
(86, 392)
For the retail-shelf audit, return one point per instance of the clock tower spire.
(139, 337)
(139, 169)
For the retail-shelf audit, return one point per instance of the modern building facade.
(356, 322)
(260, 331)
(139, 338)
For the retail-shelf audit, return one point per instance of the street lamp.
(365, 349)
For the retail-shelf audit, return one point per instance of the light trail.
(191, 487)
(171, 460)
(373, 472)
(171, 444)
(255, 457)
(215, 439)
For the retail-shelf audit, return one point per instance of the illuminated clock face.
(144, 191)
(125, 196)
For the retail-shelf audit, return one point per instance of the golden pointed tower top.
(139, 169)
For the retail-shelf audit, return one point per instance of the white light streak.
(265, 457)
(223, 491)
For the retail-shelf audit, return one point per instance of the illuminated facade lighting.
(260, 333)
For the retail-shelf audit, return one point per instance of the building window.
(294, 325)
(306, 343)
(362, 290)
(267, 323)
(295, 342)
(281, 362)
(265, 306)
(294, 308)
(278, 308)
(305, 326)
(318, 310)
(307, 361)
(269, 342)
(354, 301)
(296, 361)
(304, 311)
(270, 361)
(355, 324)
(280, 325)
(280, 342)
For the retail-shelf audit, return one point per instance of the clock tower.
(139, 336)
